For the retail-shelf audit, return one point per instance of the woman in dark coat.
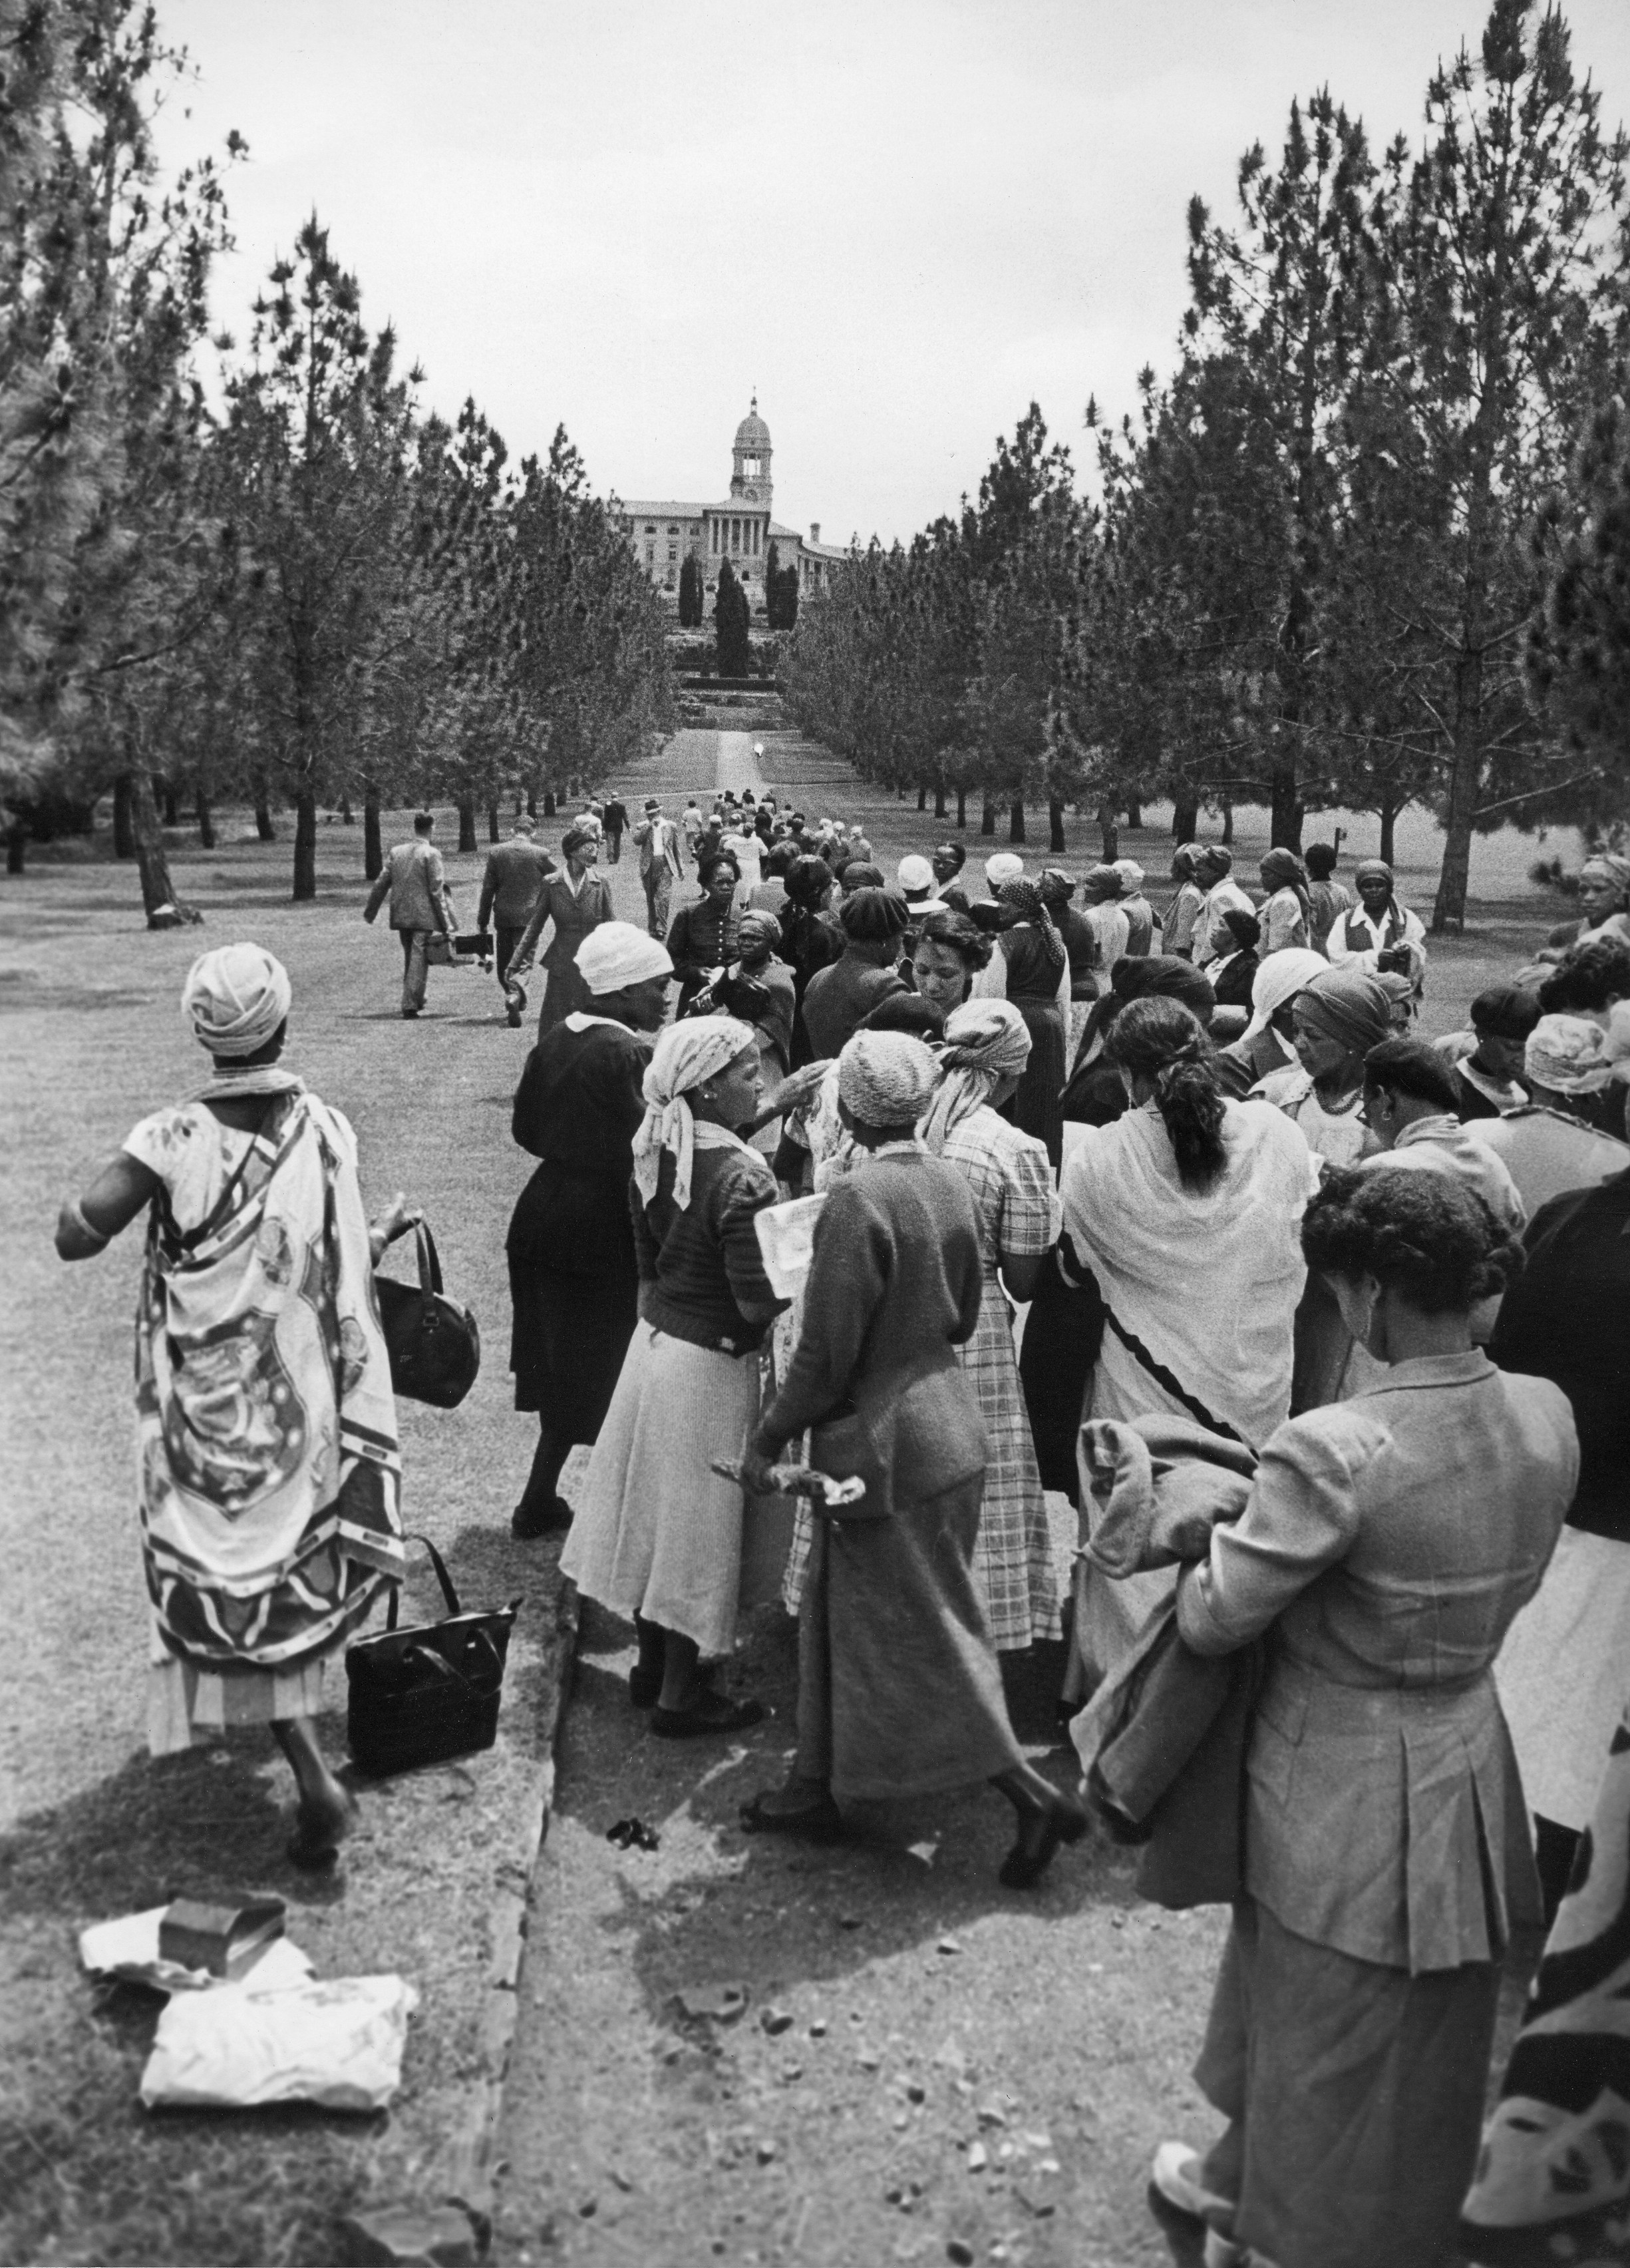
(1035, 955)
(900, 1694)
(703, 936)
(574, 1279)
(576, 902)
(810, 938)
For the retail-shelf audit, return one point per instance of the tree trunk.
(305, 844)
(962, 808)
(1107, 829)
(16, 844)
(940, 808)
(206, 822)
(1016, 820)
(1055, 824)
(466, 822)
(1185, 820)
(348, 817)
(373, 849)
(549, 803)
(923, 799)
(263, 827)
(1134, 813)
(987, 815)
(172, 808)
(1389, 822)
(1285, 833)
(152, 865)
(124, 832)
(532, 803)
(492, 819)
(1227, 820)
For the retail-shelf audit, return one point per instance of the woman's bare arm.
(111, 1201)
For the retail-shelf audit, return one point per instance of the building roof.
(639, 508)
(752, 433)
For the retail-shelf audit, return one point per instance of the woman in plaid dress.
(1011, 1181)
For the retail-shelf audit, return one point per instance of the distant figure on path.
(615, 815)
(661, 866)
(1328, 898)
(576, 902)
(415, 882)
(266, 1423)
(516, 872)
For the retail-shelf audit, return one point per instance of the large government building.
(738, 529)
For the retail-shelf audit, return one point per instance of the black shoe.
(409, 1013)
(1025, 1866)
(528, 1521)
(644, 1687)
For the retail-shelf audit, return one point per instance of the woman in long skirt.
(1387, 1544)
(658, 1535)
(576, 903)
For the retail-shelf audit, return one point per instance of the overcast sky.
(901, 220)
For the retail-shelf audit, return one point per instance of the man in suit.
(414, 879)
(660, 865)
(616, 817)
(516, 872)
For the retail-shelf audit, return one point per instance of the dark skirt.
(570, 1335)
(564, 991)
(1038, 1107)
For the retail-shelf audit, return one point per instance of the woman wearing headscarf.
(1177, 928)
(900, 1694)
(1139, 912)
(1338, 1016)
(1286, 919)
(1386, 1546)
(658, 1535)
(1036, 969)
(757, 988)
(703, 936)
(576, 902)
(1082, 947)
(574, 1277)
(1100, 894)
(1487, 1062)
(1224, 895)
(1556, 1142)
(986, 1045)
(873, 923)
(1186, 1210)
(1096, 1094)
(268, 1472)
(1269, 1041)
(811, 939)
(1379, 934)
(1233, 973)
(1603, 905)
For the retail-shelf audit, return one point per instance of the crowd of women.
(1323, 1331)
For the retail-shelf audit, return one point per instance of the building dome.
(753, 434)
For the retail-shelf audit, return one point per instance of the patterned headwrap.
(1278, 979)
(1104, 882)
(986, 1042)
(234, 998)
(1614, 864)
(886, 1079)
(1056, 887)
(1186, 859)
(1349, 1006)
(1027, 903)
(617, 955)
(1567, 1054)
(685, 1055)
(756, 923)
(1131, 877)
(1372, 867)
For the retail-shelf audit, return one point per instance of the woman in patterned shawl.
(265, 1420)
(987, 1046)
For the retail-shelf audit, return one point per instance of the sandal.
(821, 1821)
(1022, 1868)
(710, 1713)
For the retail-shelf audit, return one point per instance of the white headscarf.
(1131, 876)
(685, 1055)
(986, 1042)
(1278, 979)
(235, 998)
(617, 955)
(1003, 867)
(1567, 1054)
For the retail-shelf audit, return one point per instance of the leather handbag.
(419, 1696)
(433, 1343)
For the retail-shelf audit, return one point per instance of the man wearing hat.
(414, 880)
(516, 872)
(661, 864)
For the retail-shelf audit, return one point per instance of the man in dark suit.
(614, 814)
(414, 879)
(516, 872)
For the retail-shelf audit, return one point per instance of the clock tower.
(751, 478)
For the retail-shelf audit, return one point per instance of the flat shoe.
(723, 1717)
(1022, 1869)
(526, 1524)
(314, 1846)
(644, 1687)
(820, 1822)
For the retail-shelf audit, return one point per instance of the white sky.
(901, 219)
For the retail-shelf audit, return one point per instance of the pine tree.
(1579, 647)
(731, 624)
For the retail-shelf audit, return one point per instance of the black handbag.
(419, 1696)
(433, 1343)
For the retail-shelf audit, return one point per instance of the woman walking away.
(576, 902)
(574, 1279)
(1186, 1210)
(899, 1690)
(265, 1425)
(1178, 923)
(986, 1049)
(1387, 1544)
(873, 926)
(658, 1534)
(1338, 1016)
(1036, 969)
(1287, 918)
